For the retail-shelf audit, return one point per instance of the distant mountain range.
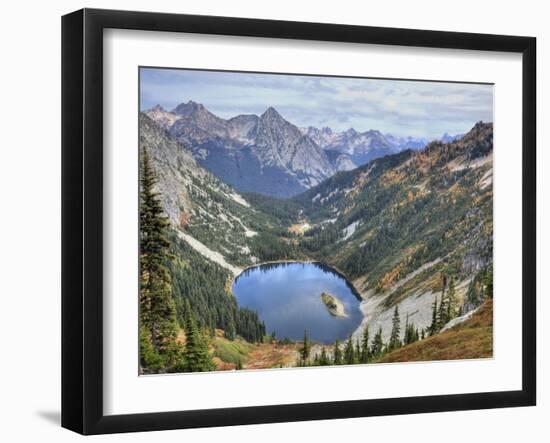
(269, 155)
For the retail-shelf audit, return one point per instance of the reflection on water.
(287, 297)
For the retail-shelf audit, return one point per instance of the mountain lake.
(287, 297)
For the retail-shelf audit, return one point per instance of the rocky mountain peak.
(481, 134)
(271, 114)
(162, 117)
(476, 143)
(242, 127)
(189, 108)
(374, 133)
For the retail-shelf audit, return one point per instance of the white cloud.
(400, 107)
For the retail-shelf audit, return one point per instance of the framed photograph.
(269, 221)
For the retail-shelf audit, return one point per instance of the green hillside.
(412, 231)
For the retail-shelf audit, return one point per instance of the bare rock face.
(162, 117)
(167, 155)
(242, 127)
(268, 154)
(265, 154)
(196, 123)
(280, 143)
(208, 214)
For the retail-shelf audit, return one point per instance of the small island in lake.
(334, 305)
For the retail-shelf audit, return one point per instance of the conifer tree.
(323, 358)
(229, 331)
(150, 360)
(316, 360)
(434, 325)
(337, 353)
(197, 358)
(365, 353)
(406, 336)
(395, 342)
(349, 354)
(451, 300)
(409, 332)
(442, 314)
(158, 324)
(305, 350)
(377, 343)
(472, 294)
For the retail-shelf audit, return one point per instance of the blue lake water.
(287, 297)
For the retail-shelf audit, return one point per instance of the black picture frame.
(82, 218)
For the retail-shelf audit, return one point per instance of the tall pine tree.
(324, 358)
(434, 325)
(305, 350)
(365, 353)
(337, 353)
(349, 353)
(411, 333)
(158, 326)
(197, 358)
(395, 342)
(451, 300)
(442, 314)
(377, 343)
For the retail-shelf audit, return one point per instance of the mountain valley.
(404, 220)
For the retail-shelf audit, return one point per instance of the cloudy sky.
(422, 109)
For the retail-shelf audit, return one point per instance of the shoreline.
(359, 295)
